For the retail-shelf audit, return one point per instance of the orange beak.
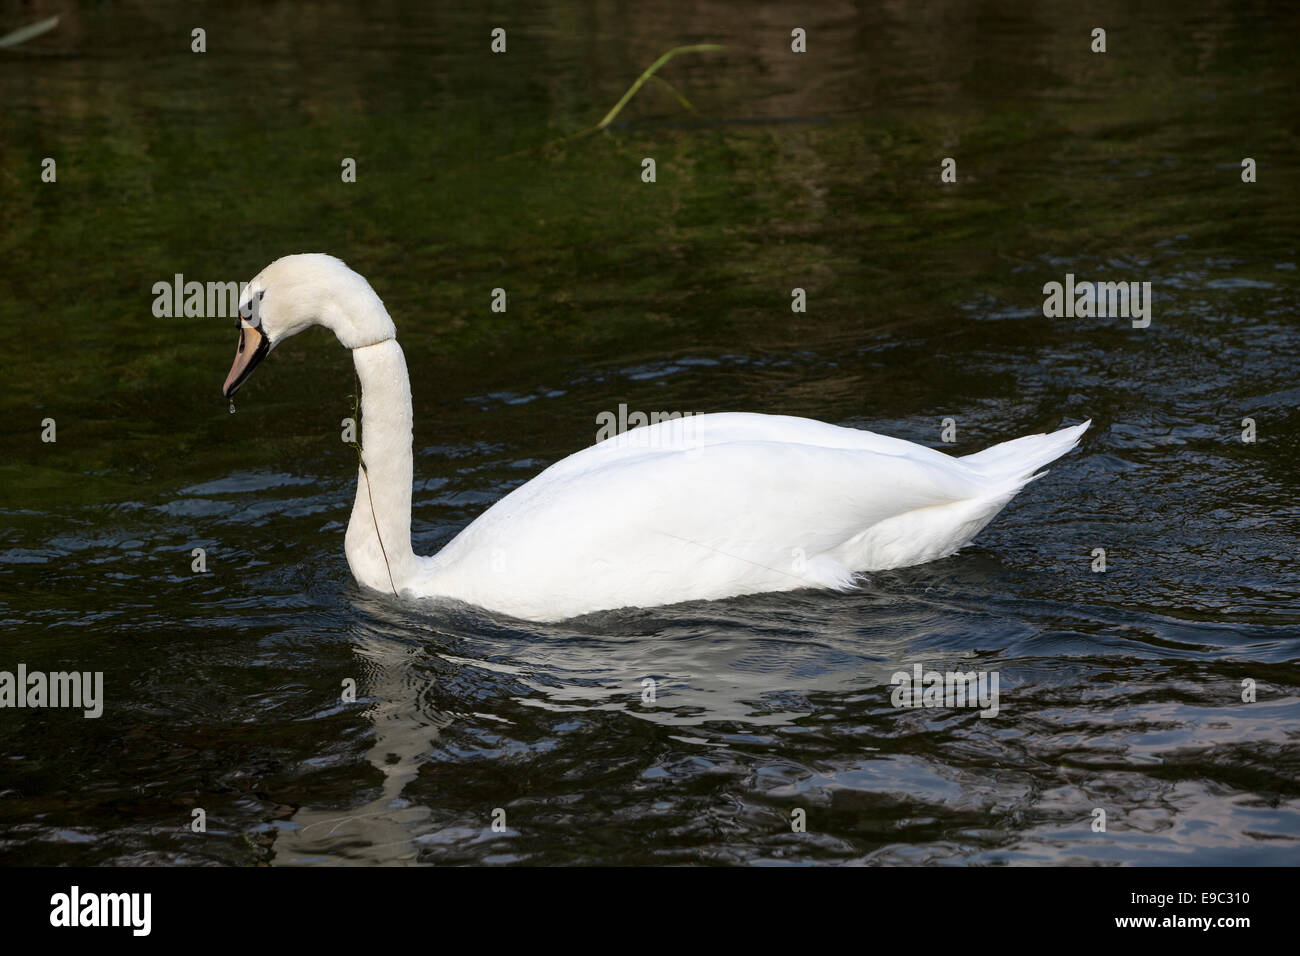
(253, 346)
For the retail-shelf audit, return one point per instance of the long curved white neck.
(379, 535)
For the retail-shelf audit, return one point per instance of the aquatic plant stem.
(654, 68)
(649, 74)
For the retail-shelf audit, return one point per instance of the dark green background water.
(1120, 691)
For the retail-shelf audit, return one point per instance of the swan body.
(705, 507)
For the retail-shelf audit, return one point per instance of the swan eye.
(249, 311)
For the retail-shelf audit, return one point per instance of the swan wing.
(698, 431)
(638, 525)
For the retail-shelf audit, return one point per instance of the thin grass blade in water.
(23, 34)
(653, 68)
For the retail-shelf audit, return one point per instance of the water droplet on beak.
(232, 406)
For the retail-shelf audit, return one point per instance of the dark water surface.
(1120, 691)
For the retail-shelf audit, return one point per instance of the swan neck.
(379, 533)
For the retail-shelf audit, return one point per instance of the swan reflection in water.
(722, 672)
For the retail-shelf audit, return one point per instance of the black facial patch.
(249, 312)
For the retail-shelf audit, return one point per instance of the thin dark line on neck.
(365, 472)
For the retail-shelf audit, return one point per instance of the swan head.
(299, 291)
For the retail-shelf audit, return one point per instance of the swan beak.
(253, 346)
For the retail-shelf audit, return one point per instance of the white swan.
(711, 506)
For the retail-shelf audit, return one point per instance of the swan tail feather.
(1018, 461)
